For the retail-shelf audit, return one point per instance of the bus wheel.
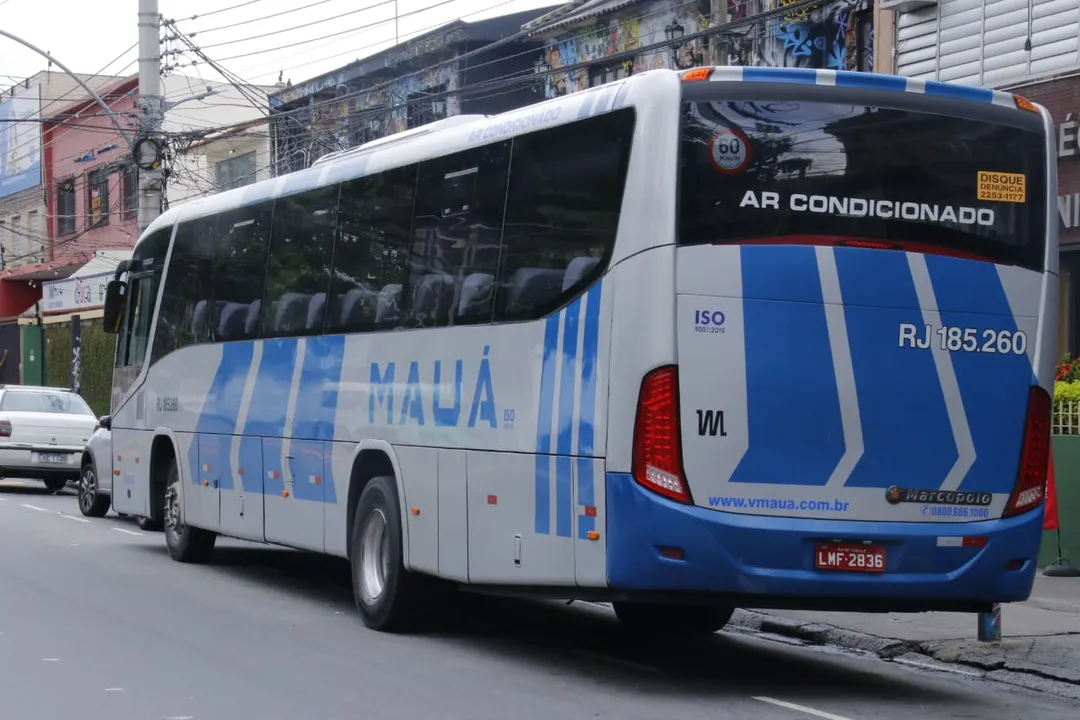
(673, 619)
(385, 592)
(186, 544)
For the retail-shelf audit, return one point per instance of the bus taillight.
(657, 461)
(1034, 455)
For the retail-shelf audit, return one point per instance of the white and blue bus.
(685, 342)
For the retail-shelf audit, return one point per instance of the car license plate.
(855, 558)
(58, 458)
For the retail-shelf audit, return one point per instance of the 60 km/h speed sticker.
(729, 151)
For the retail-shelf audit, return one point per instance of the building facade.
(413, 83)
(236, 156)
(24, 223)
(1031, 47)
(603, 40)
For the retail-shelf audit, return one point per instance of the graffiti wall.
(837, 35)
(636, 27)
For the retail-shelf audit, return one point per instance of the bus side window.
(457, 229)
(242, 237)
(144, 280)
(298, 268)
(562, 213)
(370, 254)
(183, 318)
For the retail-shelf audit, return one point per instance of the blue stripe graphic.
(564, 470)
(993, 385)
(219, 413)
(317, 398)
(586, 430)
(792, 399)
(870, 81)
(266, 414)
(959, 92)
(780, 75)
(543, 425)
(900, 399)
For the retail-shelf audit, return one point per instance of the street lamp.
(674, 31)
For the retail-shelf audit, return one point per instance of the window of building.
(298, 269)
(97, 198)
(37, 242)
(457, 231)
(421, 110)
(65, 207)
(144, 279)
(188, 291)
(239, 271)
(601, 75)
(562, 212)
(234, 172)
(370, 258)
(19, 239)
(129, 191)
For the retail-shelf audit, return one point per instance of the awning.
(52, 270)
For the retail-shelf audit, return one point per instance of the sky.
(96, 36)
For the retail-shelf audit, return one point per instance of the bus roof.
(863, 80)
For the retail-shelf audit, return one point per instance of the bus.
(685, 342)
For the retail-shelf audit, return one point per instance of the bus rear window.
(813, 172)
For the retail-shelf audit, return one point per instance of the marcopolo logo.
(896, 495)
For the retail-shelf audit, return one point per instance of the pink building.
(91, 184)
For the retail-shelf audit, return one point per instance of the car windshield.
(45, 402)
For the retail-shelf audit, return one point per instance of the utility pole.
(149, 149)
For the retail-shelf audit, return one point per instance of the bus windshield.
(846, 174)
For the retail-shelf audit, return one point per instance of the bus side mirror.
(105, 421)
(114, 307)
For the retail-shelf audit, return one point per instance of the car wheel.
(92, 503)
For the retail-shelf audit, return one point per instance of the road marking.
(181, 717)
(114, 689)
(800, 708)
(50, 659)
(34, 507)
(76, 519)
(3, 499)
(931, 666)
(127, 532)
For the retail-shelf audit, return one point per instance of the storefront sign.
(75, 294)
(1067, 137)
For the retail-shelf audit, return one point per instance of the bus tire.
(186, 544)
(673, 619)
(386, 593)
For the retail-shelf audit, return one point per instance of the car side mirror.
(105, 421)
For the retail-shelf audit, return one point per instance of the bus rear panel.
(857, 417)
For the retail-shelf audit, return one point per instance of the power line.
(221, 10)
(259, 19)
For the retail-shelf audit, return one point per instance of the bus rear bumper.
(764, 561)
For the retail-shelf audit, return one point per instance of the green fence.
(96, 361)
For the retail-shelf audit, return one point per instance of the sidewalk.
(1040, 637)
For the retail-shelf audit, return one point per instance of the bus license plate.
(855, 558)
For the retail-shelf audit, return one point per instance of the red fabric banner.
(1050, 519)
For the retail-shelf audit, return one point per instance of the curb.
(989, 658)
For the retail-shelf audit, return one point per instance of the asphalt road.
(96, 623)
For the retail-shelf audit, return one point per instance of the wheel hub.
(374, 556)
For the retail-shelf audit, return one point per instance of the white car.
(42, 433)
(96, 475)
